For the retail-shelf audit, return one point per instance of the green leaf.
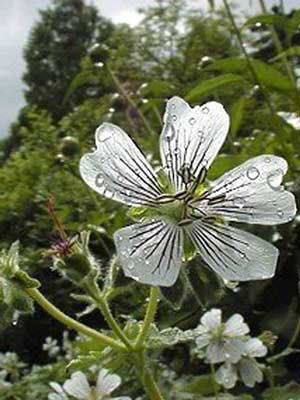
(236, 115)
(203, 384)
(80, 79)
(291, 391)
(209, 86)
(291, 52)
(266, 74)
(169, 337)
(267, 19)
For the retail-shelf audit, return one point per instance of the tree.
(57, 43)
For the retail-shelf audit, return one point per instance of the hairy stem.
(149, 317)
(72, 323)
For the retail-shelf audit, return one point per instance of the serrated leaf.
(83, 362)
(266, 74)
(169, 337)
(207, 87)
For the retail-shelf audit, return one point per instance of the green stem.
(72, 323)
(146, 376)
(213, 374)
(130, 101)
(101, 303)
(149, 317)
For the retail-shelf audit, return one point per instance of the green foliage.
(174, 51)
(56, 46)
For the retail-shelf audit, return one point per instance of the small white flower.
(222, 341)
(247, 368)
(151, 251)
(79, 387)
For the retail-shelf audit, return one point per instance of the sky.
(17, 18)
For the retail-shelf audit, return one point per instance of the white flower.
(247, 368)
(221, 341)
(79, 387)
(151, 251)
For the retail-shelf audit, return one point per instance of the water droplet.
(253, 173)
(15, 318)
(130, 265)
(124, 252)
(173, 106)
(176, 151)
(174, 117)
(205, 110)
(99, 181)
(204, 162)
(280, 213)
(243, 255)
(192, 121)
(275, 178)
(201, 134)
(268, 160)
(239, 202)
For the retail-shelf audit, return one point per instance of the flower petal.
(150, 252)
(226, 375)
(190, 140)
(215, 352)
(118, 169)
(232, 253)
(212, 319)
(251, 193)
(106, 382)
(236, 326)
(250, 372)
(254, 347)
(202, 340)
(233, 349)
(78, 386)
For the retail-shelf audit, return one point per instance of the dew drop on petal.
(253, 173)
(268, 160)
(174, 117)
(99, 181)
(205, 110)
(275, 178)
(173, 106)
(176, 150)
(192, 121)
(130, 265)
(239, 202)
(280, 213)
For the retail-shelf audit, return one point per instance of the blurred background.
(68, 65)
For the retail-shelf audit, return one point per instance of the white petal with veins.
(191, 138)
(150, 252)
(233, 254)
(251, 193)
(118, 169)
